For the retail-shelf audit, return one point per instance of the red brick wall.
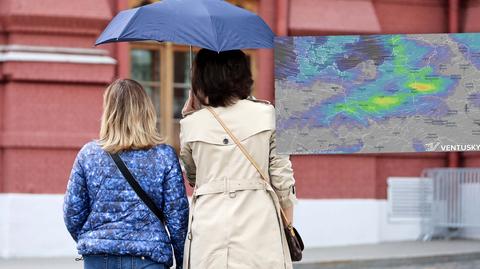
(2, 106)
(49, 108)
(412, 16)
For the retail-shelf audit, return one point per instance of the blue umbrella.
(211, 24)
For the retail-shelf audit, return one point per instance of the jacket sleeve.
(76, 206)
(281, 175)
(188, 163)
(175, 206)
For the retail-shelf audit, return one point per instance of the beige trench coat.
(234, 217)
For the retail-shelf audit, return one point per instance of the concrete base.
(32, 225)
(339, 222)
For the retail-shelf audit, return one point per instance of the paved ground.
(466, 264)
(403, 255)
(41, 263)
(455, 254)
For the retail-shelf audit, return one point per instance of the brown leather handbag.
(294, 241)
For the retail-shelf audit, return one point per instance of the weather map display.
(377, 93)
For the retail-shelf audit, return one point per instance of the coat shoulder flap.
(245, 119)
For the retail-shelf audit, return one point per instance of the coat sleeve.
(188, 163)
(175, 206)
(281, 175)
(76, 206)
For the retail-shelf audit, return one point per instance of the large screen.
(377, 93)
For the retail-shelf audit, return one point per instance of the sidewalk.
(411, 254)
(40, 263)
(458, 254)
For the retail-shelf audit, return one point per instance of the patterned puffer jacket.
(105, 216)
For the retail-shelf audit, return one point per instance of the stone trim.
(24, 53)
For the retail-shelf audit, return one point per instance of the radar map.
(377, 93)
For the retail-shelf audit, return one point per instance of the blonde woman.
(235, 217)
(111, 224)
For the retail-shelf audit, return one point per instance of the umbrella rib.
(214, 30)
(134, 17)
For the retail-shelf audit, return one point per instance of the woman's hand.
(192, 104)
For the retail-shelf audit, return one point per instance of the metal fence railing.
(455, 201)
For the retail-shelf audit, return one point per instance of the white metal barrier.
(455, 201)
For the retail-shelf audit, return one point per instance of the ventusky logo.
(432, 146)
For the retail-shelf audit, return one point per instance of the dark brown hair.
(223, 77)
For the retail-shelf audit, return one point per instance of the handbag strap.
(247, 154)
(136, 187)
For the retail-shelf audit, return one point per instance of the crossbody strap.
(136, 187)
(247, 154)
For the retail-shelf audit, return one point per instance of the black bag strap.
(136, 187)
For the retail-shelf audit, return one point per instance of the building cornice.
(24, 53)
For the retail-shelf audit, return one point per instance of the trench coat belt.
(229, 186)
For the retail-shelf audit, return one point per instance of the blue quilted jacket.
(105, 216)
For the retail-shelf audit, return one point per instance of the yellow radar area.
(422, 87)
(385, 101)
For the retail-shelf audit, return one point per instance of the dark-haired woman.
(235, 220)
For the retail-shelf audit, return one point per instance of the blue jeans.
(119, 262)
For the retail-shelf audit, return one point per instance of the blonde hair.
(129, 119)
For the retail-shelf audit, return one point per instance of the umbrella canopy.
(211, 24)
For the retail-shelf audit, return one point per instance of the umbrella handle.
(191, 64)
